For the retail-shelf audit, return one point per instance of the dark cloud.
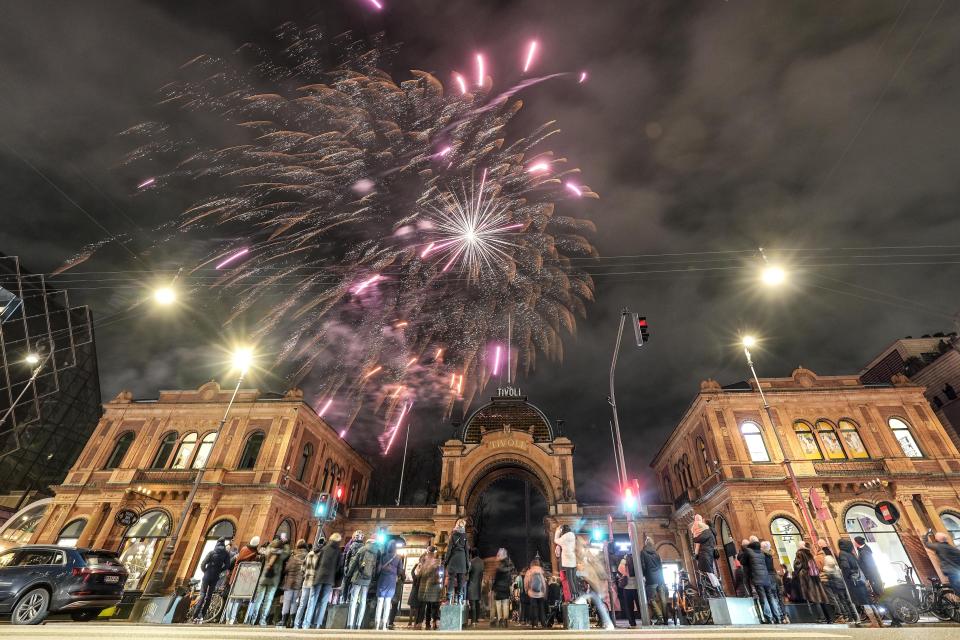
(705, 126)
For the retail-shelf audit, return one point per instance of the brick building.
(724, 462)
(263, 474)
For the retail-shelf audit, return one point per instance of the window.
(221, 529)
(141, 542)
(685, 466)
(203, 451)
(808, 441)
(37, 557)
(304, 465)
(753, 438)
(901, 430)
(326, 474)
(19, 529)
(184, 451)
(852, 441)
(786, 537)
(70, 534)
(353, 492)
(951, 522)
(704, 456)
(119, 451)
(163, 453)
(883, 540)
(284, 530)
(6, 559)
(831, 443)
(251, 450)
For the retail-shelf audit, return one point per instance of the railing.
(166, 476)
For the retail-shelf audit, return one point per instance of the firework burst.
(343, 200)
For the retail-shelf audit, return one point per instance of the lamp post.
(242, 359)
(624, 483)
(748, 342)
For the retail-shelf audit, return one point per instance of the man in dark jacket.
(353, 545)
(325, 578)
(947, 554)
(474, 582)
(359, 575)
(655, 588)
(216, 562)
(756, 568)
(868, 565)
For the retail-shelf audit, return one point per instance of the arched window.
(19, 529)
(852, 442)
(119, 451)
(883, 540)
(70, 534)
(668, 487)
(141, 542)
(831, 443)
(164, 450)
(185, 451)
(203, 451)
(285, 528)
(753, 438)
(251, 450)
(220, 529)
(704, 456)
(951, 522)
(304, 465)
(353, 492)
(786, 537)
(808, 441)
(685, 462)
(901, 430)
(326, 474)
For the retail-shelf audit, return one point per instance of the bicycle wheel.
(904, 610)
(951, 605)
(941, 607)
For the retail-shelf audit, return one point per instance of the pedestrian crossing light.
(322, 507)
(597, 534)
(335, 500)
(631, 498)
(381, 536)
(641, 329)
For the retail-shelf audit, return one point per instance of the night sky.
(827, 133)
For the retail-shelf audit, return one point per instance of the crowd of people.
(842, 585)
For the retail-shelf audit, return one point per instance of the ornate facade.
(263, 473)
(850, 445)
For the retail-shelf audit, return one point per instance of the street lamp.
(164, 296)
(32, 358)
(773, 276)
(749, 341)
(242, 360)
(635, 544)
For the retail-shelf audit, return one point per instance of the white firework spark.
(472, 230)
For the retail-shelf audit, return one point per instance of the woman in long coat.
(806, 580)
(413, 600)
(430, 587)
(390, 566)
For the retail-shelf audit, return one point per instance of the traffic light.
(322, 508)
(631, 497)
(335, 501)
(641, 329)
(598, 534)
(381, 536)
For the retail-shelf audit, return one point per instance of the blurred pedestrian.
(474, 584)
(947, 554)
(502, 582)
(308, 586)
(267, 585)
(359, 575)
(247, 553)
(413, 601)
(430, 587)
(656, 588)
(869, 566)
(390, 566)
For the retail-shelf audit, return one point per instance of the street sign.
(887, 512)
(127, 517)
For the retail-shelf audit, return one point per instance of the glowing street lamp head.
(773, 276)
(165, 296)
(32, 358)
(242, 359)
(749, 341)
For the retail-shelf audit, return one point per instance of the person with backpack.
(535, 584)
(390, 566)
(359, 575)
(807, 582)
(327, 577)
(474, 584)
(854, 579)
(216, 562)
(455, 563)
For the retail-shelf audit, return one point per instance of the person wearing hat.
(248, 553)
(326, 577)
(308, 585)
(359, 575)
(216, 562)
(275, 555)
(292, 581)
(349, 551)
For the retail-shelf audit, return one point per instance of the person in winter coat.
(535, 584)
(852, 573)
(474, 582)
(349, 551)
(430, 588)
(326, 577)
(631, 598)
(656, 589)
(307, 587)
(776, 580)
(566, 540)
(359, 575)
(555, 602)
(502, 581)
(274, 558)
(756, 569)
(807, 583)
(397, 596)
(455, 563)
(292, 582)
(248, 553)
(947, 554)
(704, 549)
(832, 580)
(390, 567)
(868, 565)
(216, 562)
(413, 600)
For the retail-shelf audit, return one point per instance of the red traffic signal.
(631, 497)
(641, 329)
(339, 493)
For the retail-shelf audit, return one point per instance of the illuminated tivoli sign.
(509, 392)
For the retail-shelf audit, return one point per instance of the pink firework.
(376, 4)
(146, 183)
(396, 427)
(496, 361)
(481, 73)
(531, 52)
(583, 77)
(574, 189)
(538, 167)
(366, 283)
(326, 407)
(233, 257)
(372, 371)
(461, 82)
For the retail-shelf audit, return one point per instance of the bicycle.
(690, 602)
(908, 600)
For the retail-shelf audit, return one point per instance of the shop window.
(808, 441)
(142, 543)
(119, 451)
(951, 522)
(164, 451)
(901, 431)
(19, 529)
(753, 438)
(70, 534)
(883, 540)
(251, 450)
(185, 451)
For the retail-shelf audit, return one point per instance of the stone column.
(95, 522)
(910, 528)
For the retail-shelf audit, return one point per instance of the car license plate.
(111, 579)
